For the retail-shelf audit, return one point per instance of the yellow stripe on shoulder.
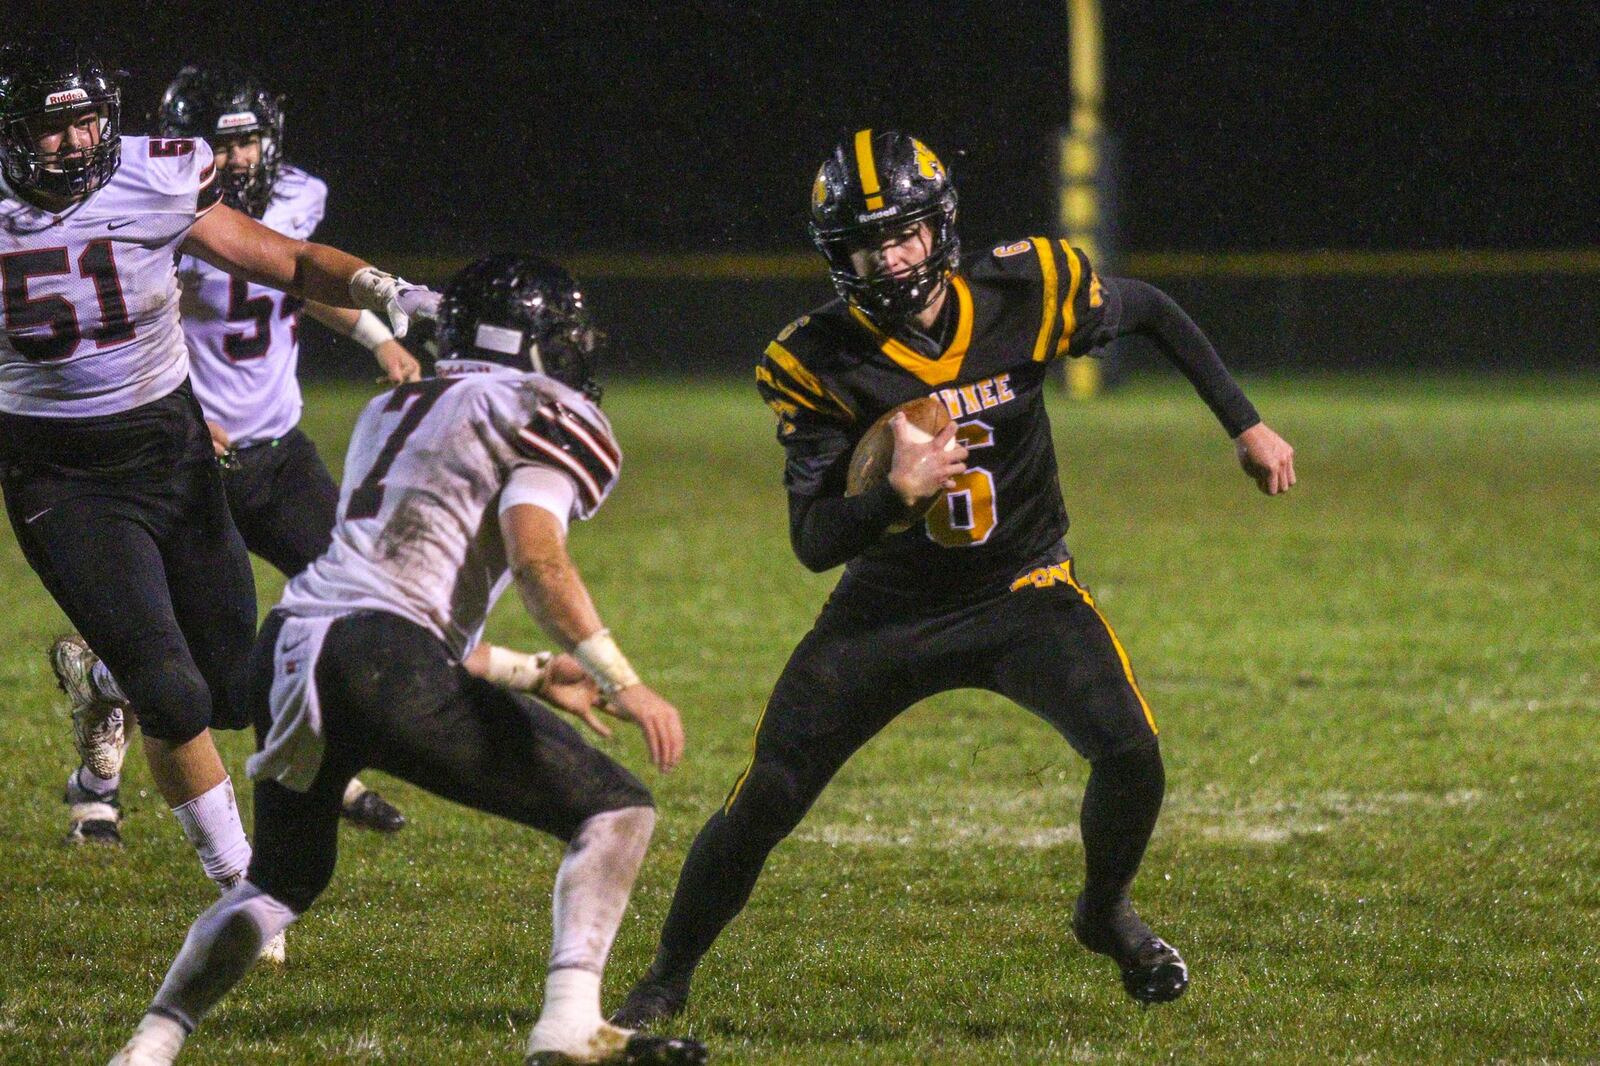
(765, 377)
(1047, 268)
(804, 379)
(1069, 313)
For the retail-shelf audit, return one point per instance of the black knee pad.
(171, 699)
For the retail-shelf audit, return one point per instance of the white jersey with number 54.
(244, 342)
(418, 532)
(89, 297)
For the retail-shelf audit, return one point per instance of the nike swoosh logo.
(35, 518)
(120, 223)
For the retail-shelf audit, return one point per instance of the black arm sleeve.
(829, 530)
(1146, 310)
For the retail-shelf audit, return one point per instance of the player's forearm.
(342, 320)
(827, 531)
(1148, 311)
(323, 274)
(557, 599)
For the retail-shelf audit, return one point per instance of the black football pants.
(124, 520)
(283, 500)
(393, 699)
(1043, 645)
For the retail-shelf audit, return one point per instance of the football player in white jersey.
(454, 488)
(110, 482)
(244, 344)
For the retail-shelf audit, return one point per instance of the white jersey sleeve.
(244, 338)
(90, 302)
(418, 532)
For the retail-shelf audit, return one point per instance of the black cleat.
(651, 1000)
(1152, 969)
(641, 1050)
(371, 811)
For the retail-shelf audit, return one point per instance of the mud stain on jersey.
(409, 532)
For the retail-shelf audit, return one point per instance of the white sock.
(106, 684)
(156, 1042)
(90, 781)
(222, 945)
(211, 822)
(353, 791)
(590, 896)
(571, 1012)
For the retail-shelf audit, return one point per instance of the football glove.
(373, 290)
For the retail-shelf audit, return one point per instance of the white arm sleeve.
(541, 486)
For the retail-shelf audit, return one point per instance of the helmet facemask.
(68, 173)
(225, 105)
(891, 298)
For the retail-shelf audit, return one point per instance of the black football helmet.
(873, 184)
(44, 77)
(223, 102)
(522, 311)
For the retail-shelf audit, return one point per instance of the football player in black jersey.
(979, 593)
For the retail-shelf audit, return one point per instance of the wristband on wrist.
(370, 332)
(515, 670)
(603, 660)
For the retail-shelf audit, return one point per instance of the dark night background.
(609, 126)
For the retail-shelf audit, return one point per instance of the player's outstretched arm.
(555, 595)
(1146, 310)
(368, 330)
(233, 241)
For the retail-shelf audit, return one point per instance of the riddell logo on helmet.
(235, 120)
(873, 216)
(66, 96)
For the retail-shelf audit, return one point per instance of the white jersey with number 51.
(418, 532)
(89, 297)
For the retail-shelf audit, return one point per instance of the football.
(869, 463)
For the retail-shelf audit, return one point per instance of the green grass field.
(1380, 703)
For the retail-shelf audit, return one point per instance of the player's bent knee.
(620, 790)
(771, 800)
(173, 703)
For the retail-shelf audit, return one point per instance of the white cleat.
(275, 950)
(550, 1044)
(98, 724)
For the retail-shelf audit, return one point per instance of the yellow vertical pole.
(1079, 209)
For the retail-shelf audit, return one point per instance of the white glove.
(373, 290)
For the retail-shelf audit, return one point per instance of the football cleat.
(95, 816)
(276, 949)
(651, 1000)
(365, 808)
(639, 1049)
(98, 725)
(1152, 969)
